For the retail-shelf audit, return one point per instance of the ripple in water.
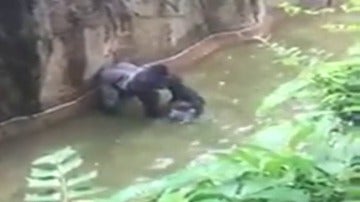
(162, 163)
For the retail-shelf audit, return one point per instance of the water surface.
(129, 148)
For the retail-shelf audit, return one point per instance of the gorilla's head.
(182, 111)
(159, 69)
(154, 77)
(151, 78)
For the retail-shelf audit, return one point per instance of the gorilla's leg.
(109, 99)
(150, 102)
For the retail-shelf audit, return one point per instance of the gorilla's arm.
(109, 99)
(181, 92)
(145, 85)
(150, 102)
(199, 105)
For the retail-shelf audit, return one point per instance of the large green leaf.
(230, 188)
(172, 197)
(44, 173)
(43, 183)
(283, 93)
(53, 197)
(332, 167)
(48, 175)
(70, 165)
(258, 184)
(276, 137)
(279, 194)
(353, 192)
(245, 156)
(56, 157)
(82, 179)
(300, 135)
(208, 195)
(85, 192)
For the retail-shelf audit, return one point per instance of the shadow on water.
(129, 148)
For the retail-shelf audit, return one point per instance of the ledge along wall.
(177, 63)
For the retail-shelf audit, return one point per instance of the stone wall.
(19, 62)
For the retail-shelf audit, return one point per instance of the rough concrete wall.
(165, 32)
(19, 63)
(71, 45)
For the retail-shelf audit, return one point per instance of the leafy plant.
(293, 10)
(53, 179)
(331, 87)
(342, 27)
(273, 166)
(351, 6)
(294, 56)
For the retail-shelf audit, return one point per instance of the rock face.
(19, 61)
(50, 48)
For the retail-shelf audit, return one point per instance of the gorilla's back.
(119, 74)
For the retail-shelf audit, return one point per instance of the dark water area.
(129, 148)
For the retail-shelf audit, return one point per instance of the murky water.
(128, 148)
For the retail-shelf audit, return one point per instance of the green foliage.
(294, 56)
(293, 10)
(294, 90)
(342, 27)
(335, 85)
(289, 162)
(290, 8)
(351, 6)
(53, 179)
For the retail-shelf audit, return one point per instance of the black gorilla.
(186, 104)
(125, 80)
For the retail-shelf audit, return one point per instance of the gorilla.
(186, 104)
(125, 80)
